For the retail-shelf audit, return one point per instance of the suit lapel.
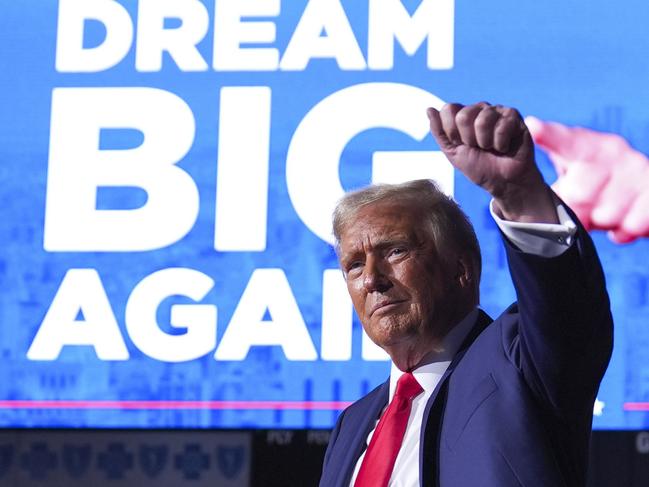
(429, 435)
(355, 440)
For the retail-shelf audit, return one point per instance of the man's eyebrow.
(392, 240)
(381, 243)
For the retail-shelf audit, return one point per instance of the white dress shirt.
(544, 239)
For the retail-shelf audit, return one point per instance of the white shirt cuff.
(542, 239)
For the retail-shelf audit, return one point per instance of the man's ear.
(463, 272)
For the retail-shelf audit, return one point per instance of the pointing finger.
(569, 142)
(552, 137)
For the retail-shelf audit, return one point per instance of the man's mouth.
(385, 306)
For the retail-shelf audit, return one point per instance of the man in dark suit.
(471, 402)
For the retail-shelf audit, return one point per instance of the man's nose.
(375, 278)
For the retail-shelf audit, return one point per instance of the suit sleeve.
(564, 332)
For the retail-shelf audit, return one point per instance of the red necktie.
(378, 462)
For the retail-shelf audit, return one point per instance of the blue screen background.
(580, 63)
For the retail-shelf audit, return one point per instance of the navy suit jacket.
(515, 406)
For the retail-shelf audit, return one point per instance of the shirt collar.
(429, 374)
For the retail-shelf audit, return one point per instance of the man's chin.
(391, 335)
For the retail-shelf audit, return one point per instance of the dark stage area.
(235, 458)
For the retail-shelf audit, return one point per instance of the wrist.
(527, 204)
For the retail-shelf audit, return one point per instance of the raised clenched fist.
(491, 145)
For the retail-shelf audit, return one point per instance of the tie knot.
(407, 386)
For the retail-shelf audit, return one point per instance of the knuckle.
(502, 129)
(464, 116)
(482, 124)
(486, 120)
(511, 113)
(452, 108)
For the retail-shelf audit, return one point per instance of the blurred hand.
(601, 177)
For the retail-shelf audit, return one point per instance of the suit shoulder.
(370, 398)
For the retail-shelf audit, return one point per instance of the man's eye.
(397, 251)
(354, 265)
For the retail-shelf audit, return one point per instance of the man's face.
(395, 277)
